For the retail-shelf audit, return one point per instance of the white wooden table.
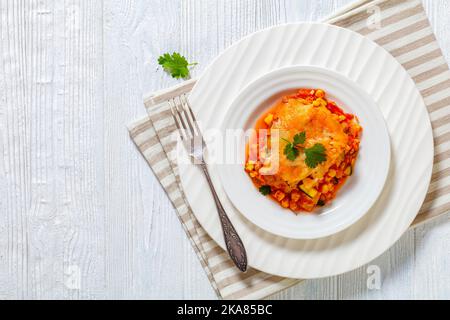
(81, 215)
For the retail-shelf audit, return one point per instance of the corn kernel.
(253, 174)
(279, 195)
(325, 188)
(320, 93)
(249, 166)
(268, 119)
(332, 173)
(285, 203)
(293, 205)
(295, 195)
(316, 103)
(322, 102)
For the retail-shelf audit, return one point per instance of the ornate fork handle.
(232, 240)
(191, 136)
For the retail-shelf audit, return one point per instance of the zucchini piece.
(309, 192)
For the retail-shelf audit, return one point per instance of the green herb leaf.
(290, 150)
(175, 64)
(300, 138)
(265, 190)
(315, 155)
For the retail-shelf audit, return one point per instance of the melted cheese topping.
(320, 126)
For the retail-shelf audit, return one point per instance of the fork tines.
(184, 117)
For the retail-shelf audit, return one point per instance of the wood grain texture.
(81, 215)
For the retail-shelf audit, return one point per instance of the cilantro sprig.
(265, 190)
(175, 64)
(314, 155)
(300, 138)
(290, 150)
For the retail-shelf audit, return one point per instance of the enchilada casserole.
(303, 150)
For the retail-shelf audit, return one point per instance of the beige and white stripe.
(405, 32)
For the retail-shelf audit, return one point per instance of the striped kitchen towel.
(402, 28)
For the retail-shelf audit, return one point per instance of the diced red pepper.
(303, 93)
(334, 108)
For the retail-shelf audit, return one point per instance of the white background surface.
(81, 215)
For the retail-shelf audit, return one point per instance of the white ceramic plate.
(358, 193)
(394, 92)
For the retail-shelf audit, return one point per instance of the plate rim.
(299, 235)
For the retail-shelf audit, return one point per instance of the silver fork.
(195, 145)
